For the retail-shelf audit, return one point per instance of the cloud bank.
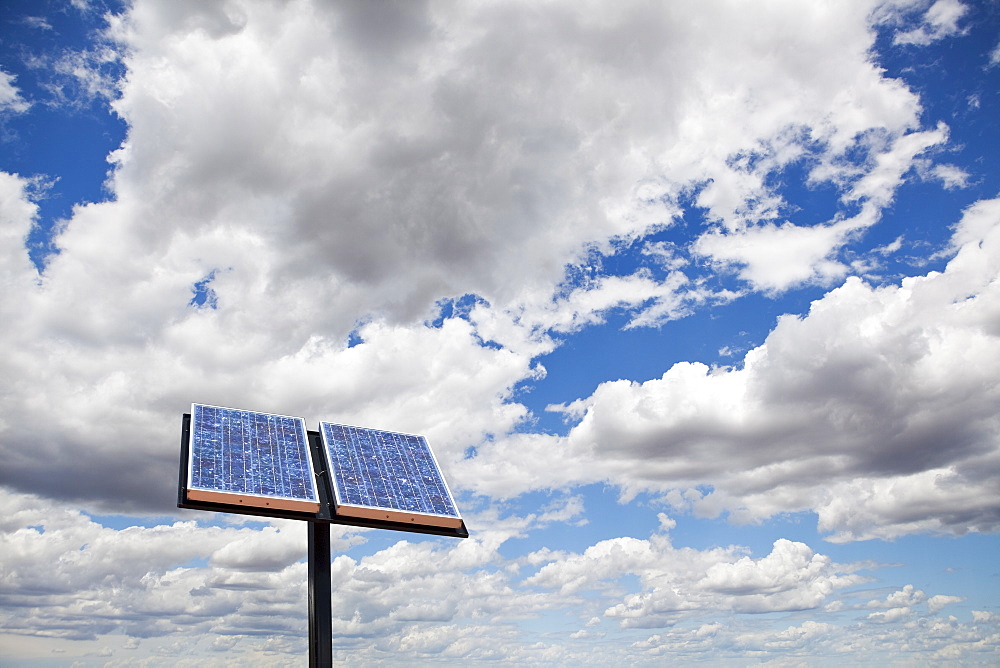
(67, 578)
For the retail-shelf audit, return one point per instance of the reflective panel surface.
(386, 475)
(249, 458)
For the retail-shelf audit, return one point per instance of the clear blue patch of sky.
(354, 338)
(458, 307)
(554, 626)
(605, 519)
(198, 562)
(807, 203)
(64, 138)
(204, 294)
(713, 334)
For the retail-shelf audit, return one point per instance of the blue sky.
(697, 304)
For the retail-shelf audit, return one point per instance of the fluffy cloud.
(775, 257)
(791, 577)
(66, 576)
(436, 170)
(854, 411)
(140, 591)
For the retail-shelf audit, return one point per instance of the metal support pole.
(320, 611)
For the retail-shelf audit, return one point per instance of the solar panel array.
(386, 475)
(246, 458)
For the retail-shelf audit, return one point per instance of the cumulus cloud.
(64, 577)
(775, 257)
(841, 411)
(906, 597)
(938, 602)
(69, 577)
(679, 582)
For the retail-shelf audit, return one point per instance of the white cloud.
(853, 411)
(938, 602)
(774, 258)
(891, 247)
(446, 215)
(587, 305)
(679, 582)
(68, 577)
(792, 577)
(889, 616)
(940, 21)
(800, 638)
(10, 95)
(143, 592)
(951, 176)
(904, 598)
(82, 77)
(37, 22)
(928, 501)
(17, 215)
(650, 299)
(878, 184)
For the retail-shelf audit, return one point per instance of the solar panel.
(253, 459)
(386, 476)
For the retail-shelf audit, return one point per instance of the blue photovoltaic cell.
(393, 473)
(248, 454)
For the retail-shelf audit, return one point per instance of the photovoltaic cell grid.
(385, 475)
(256, 459)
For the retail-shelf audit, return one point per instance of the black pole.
(320, 611)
